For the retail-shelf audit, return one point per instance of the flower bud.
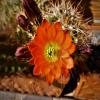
(31, 10)
(22, 53)
(23, 22)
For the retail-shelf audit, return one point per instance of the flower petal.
(45, 69)
(30, 45)
(51, 33)
(59, 37)
(65, 71)
(69, 63)
(36, 71)
(42, 30)
(72, 49)
(38, 60)
(68, 41)
(50, 78)
(31, 61)
(65, 54)
(58, 26)
(45, 24)
(56, 71)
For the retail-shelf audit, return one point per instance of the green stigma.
(52, 51)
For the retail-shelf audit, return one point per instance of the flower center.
(52, 51)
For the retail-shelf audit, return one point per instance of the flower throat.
(51, 52)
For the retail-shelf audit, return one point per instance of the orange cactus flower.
(51, 49)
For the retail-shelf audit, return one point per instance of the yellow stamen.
(52, 51)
